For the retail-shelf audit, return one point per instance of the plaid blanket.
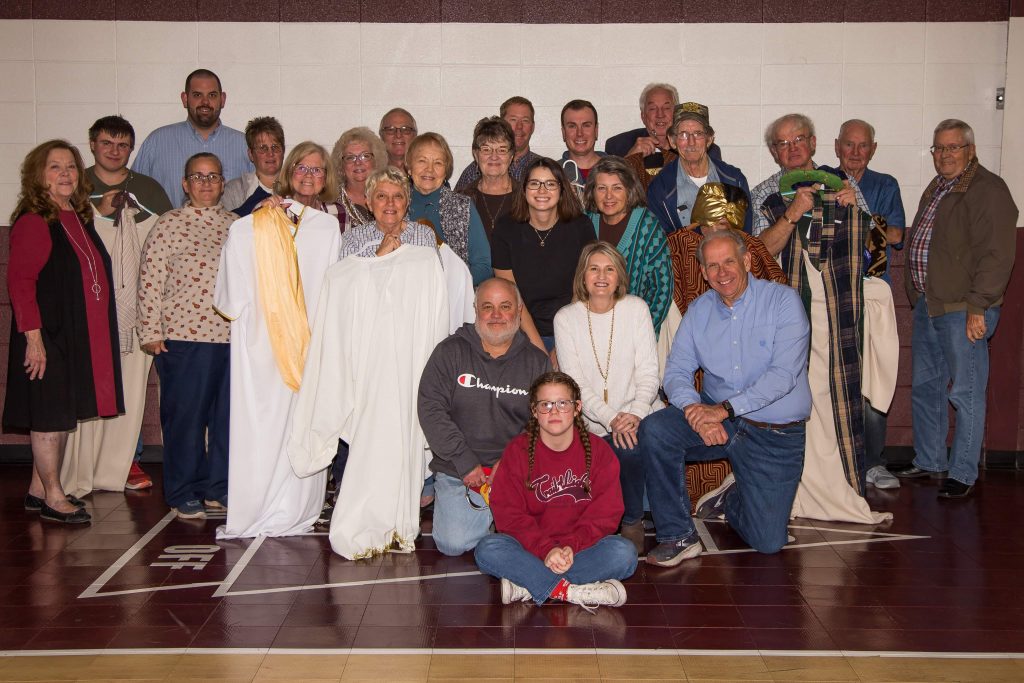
(834, 238)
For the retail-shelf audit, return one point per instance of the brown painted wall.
(563, 12)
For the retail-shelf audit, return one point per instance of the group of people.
(539, 352)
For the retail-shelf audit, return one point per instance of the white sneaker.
(512, 593)
(590, 596)
(881, 478)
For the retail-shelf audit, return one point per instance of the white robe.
(377, 324)
(265, 497)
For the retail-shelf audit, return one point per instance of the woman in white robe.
(266, 496)
(382, 311)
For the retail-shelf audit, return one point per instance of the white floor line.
(894, 654)
(152, 589)
(239, 567)
(94, 588)
(346, 584)
(710, 546)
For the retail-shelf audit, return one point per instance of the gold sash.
(280, 291)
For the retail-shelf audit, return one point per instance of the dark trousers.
(194, 399)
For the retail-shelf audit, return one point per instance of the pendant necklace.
(547, 233)
(492, 218)
(608, 360)
(90, 260)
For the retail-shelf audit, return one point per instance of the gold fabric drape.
(280, 291)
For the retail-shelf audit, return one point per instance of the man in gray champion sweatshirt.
(473, 399)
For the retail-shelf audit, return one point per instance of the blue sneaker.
(712, 504)
(671, 553)
(190, 509)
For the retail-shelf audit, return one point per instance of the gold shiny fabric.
(280, 291)
(711, 206)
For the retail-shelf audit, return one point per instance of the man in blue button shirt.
(165, 150)
(751, 338)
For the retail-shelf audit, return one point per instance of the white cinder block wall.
(320, 79)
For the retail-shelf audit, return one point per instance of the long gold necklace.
(492, 218)
(593, 347)
(90, 260)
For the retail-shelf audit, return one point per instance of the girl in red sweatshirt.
(556, 503)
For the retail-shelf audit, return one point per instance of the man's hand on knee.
(700, 414)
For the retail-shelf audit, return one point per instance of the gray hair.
(396, 110)
(858, 122)
(502, 281)
(388, 175)
(650, 87)
(635, 195)
(731, 235)
(799, 119)
(956, 124)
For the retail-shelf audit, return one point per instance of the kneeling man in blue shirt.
(751, 338)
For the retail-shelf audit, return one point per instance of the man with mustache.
(473, 398)
(164, 152)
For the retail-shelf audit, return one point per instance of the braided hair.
(533, 425)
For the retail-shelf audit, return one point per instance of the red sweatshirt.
(558, 511)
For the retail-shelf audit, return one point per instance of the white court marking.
(223, 587)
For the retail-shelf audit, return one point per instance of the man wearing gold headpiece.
(717, 207)
(672, 194)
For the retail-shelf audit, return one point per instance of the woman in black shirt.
(538, 245)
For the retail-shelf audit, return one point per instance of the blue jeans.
(631, 477)
(194, 398)
(942, 354)
(767, 464)
(503, 557)
(875, 424)
(458, 527)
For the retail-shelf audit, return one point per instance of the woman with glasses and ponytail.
(556, 502)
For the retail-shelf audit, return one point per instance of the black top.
(544, 274)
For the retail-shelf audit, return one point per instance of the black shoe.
(951, 488)
(79, 516)
(33, 503)
(76, 501)
(915, 472)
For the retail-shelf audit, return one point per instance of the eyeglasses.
(315, 171)
(790, 144)
(268, 149)
(398, 130)
(942, 149)
(487, 151)
(353, 158)
(204, 178)
(686, 135)
(549, 185)
(563, 405)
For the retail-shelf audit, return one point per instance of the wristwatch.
(728, 409)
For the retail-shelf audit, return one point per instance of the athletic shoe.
(214, 506)
(712, 504)
(510, 593)
(881, 478)
(191, 509)
(590, 596)
(137, 479)
(671, 553)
